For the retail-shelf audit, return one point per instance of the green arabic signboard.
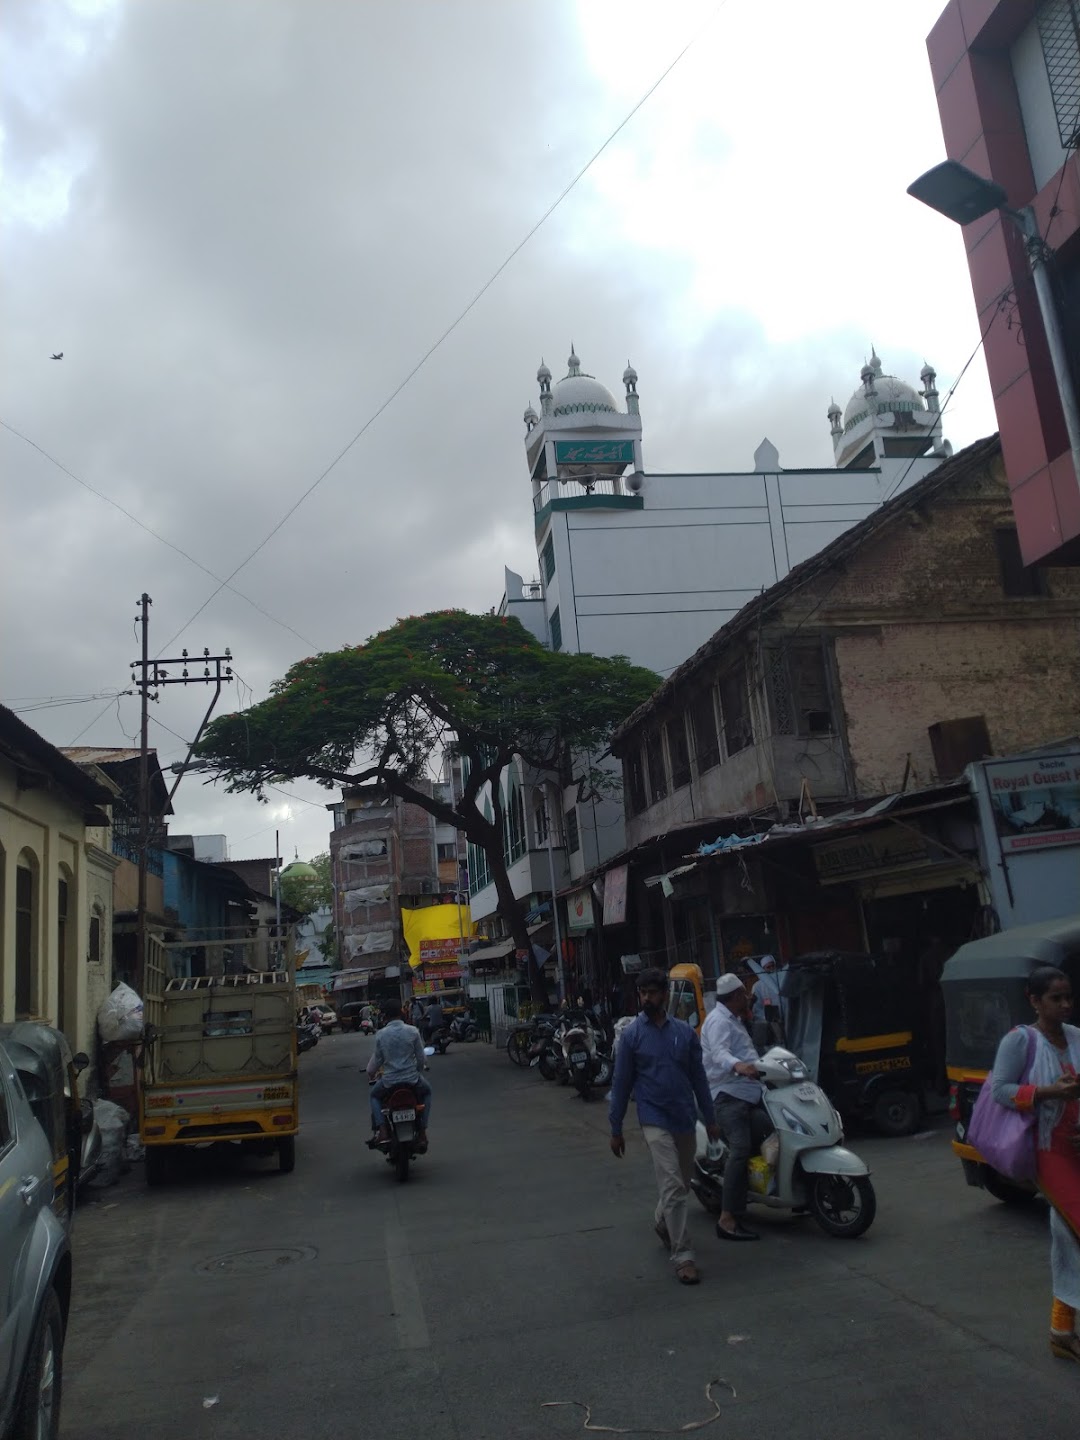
(594, 452)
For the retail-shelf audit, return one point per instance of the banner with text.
(1036, 803)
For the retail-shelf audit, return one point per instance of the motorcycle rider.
(434, 1020)
(399, 1053)
(731, 1066)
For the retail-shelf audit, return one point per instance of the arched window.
(27, 934)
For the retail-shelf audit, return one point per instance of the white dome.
(891, 394)
(583, 395)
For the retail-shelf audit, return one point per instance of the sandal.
(1065, 1347)
(687, 1273)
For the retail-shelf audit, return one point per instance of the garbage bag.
(113, 1121)
(121, 1016)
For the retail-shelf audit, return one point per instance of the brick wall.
(923, 632)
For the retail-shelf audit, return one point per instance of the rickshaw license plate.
(399, 1115)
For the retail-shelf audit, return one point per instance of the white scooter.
(813, 1172)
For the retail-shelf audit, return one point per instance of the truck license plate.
(399, 1115)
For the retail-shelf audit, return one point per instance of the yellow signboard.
(436, 932)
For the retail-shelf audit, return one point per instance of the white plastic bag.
(121, 1016)
(112, 1120)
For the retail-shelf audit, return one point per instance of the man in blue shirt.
(399, 1054)
(659, 1059)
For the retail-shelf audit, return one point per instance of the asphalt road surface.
(518, 1266)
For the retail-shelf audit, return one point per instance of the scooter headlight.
(793, 1122)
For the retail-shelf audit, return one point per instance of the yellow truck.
(219, 1066)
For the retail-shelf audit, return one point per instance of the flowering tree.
(387, 711)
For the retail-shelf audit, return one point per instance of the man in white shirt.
(731, 1067)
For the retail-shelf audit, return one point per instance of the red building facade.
(1007, 77)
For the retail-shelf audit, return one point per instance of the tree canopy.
(385, 710)
(480, 686)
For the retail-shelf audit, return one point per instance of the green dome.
(300, 870)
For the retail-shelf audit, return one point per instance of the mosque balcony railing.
(574, 489)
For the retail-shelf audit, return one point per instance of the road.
(519, 1267)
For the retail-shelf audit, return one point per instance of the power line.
(143, 526)
(437, 344)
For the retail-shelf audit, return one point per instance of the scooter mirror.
(429, 1049)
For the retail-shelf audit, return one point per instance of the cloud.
(244, 224)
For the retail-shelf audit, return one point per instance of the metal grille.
(780, 688)
(1059, 31)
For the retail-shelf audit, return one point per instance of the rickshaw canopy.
(1016, 952)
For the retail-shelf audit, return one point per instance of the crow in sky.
(58, 356)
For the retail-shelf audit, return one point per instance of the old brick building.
(914, 643)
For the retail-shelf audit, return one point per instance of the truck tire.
(156, 1159)
(286, 1149)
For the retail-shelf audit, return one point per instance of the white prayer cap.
(728, 984)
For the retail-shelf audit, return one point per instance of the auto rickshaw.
(49, 1074)
(984, 985)
(850, 1019)
(686, 995)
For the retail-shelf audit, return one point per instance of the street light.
(962, 196)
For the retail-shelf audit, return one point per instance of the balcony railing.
(571, 489)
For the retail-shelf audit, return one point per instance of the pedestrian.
(659, 1059)
(1050, 1087)
(731, 1065)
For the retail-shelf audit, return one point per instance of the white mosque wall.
(655, 583)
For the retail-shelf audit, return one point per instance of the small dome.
(833, 411)
(543, 373)
(629, 375)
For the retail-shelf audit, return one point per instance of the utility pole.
(147, 676)
(277, 897)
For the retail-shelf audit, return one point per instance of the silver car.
(35, 1272)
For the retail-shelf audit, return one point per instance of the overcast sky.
(244, 222)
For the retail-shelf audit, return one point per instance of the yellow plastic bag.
(760, 1173)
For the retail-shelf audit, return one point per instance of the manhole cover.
(254, 1262)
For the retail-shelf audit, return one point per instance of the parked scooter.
(585, 1053)
(813, 1172)
(403, 1111)
(307, 1037)
(463, 1029)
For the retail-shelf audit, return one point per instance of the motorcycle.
(545, 1051)
(367, 1025)
(463, 1029)
(438, 1040)
(585, 1053)
(402, 1113)
(307, 1037)
(812, 1170)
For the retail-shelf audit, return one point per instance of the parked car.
(35, 1271)
(49, 1075)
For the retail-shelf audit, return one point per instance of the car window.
(7, 1125)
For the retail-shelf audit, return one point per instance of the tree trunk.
(513, 912)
